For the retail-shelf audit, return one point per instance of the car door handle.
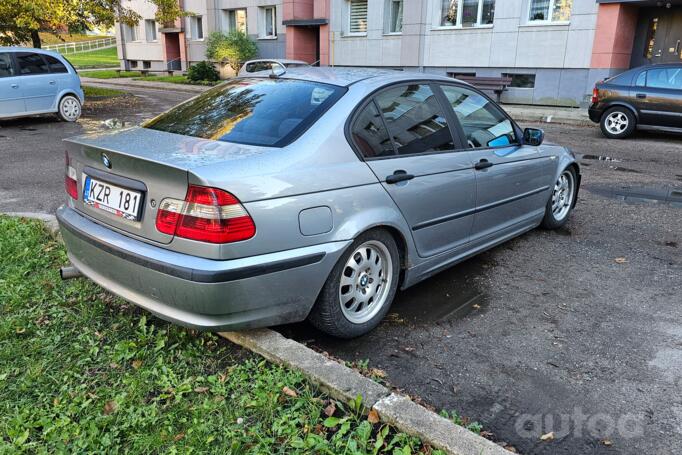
(641, 96)
(398, 176)
(483, 164)
(14, 85)
(52, 82)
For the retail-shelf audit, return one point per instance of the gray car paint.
(277, 185)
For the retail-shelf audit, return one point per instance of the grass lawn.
(175, 80)
(101, 91)
(82, 371)
(51, 38)
(101, 58)
(109, 74)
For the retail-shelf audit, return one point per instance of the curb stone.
(342, 383)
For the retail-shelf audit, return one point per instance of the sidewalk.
(548, 114)
(127, 82)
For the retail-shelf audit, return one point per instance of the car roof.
(29, 49)
(345, 77)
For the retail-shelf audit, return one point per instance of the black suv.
(647, 98)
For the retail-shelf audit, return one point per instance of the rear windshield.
(269, 112)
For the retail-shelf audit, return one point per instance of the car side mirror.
(533, 136)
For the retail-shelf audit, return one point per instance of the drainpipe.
(422, 38)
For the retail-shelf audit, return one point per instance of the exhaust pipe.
(69, 272)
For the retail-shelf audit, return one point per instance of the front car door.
(38, 86)
(658, 96)
(406, 140)
(512, 181)
(11, 99)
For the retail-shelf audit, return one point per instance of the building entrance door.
(664, 36)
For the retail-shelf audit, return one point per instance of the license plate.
(118, 201)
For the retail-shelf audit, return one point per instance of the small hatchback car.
(646, 98)
(314, 194)
(35, 81)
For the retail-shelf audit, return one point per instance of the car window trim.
(515, 127)
(348, 129)
(49, 67)
(12, 64)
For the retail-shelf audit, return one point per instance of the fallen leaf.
(476, 306)
(607, 442)
(178, 437)
(137, 364)
(289, 392)
(373, 416)
(547, 436)
(621, 260)
(20, 330)
(201, 389)
(377, 372)
(110, 407)
(330, 410)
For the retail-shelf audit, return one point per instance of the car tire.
(562, 200)
(372, 258)
(69, 109)
(618, 122)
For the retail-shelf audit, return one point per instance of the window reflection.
(414, 119)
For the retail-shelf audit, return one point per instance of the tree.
(233, 49)
(21, 20)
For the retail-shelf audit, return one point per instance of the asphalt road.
(577, 331)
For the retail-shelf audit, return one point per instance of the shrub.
(202, 71)
(233, 49)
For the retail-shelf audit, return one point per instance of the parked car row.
(34, 81)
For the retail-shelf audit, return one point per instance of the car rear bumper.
(594, 113)
(201, 293)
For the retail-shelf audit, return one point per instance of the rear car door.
(11, 100)
(38, 87)
(512, 180)
(59, 73)
(658, 94)
(406, 140)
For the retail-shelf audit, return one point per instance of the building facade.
(553, 50)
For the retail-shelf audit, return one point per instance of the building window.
(196, 26)
(146, 64)
(357, 16)
(521, 80)
(550, 10)
(268, 22)
(133, 63)
(466, 13)
(130, 33)
(235, 20)
(394, 15)
(150, 29)
(650, 38)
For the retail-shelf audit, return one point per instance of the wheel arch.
(624, 104)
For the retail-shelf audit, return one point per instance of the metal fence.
(82, 46)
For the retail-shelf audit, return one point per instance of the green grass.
(101, 58)
(83, 372)
(51, 38)
(109, 74)
(101, 91)
(175, 80)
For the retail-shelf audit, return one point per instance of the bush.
(233, 49)
(202, 71)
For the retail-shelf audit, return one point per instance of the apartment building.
(554, 50)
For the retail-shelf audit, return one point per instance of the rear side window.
(258, 66)
(484, 124)
(30, 63)
(55, 65)
(268, 112)
(414, 119)
(670, 78)
(641, 79)
(370, 135)
(6, 69)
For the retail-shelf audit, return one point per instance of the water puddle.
(452, 294)
(661, 195)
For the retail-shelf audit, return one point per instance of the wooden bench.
(496, 85)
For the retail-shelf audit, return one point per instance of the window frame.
(458, 24)
(460, 129)
(348, 31)
(263, 13)
(153, 29)
(49, 65)
(455, 132)
(549, 21)
(194, 27)
(228, 26)
(388, 17)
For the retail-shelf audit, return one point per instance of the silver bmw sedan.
(317, 194)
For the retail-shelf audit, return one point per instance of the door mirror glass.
(533, 136)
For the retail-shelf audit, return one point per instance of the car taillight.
(70, 180)
(207, 214)
(595, 95)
